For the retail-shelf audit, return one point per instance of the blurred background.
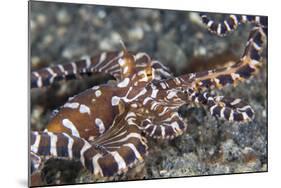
(61, 33)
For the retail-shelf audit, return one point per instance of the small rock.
(115, 37)
(36, 115)
(195, 18)
(157, 27)
(111, 42)
(63, 17)
(35, 61)
(41, 19)
(61, 31)
(101, 14)
(201, 51)
(105, 44)
(47, 40)
(136, 34)
(162, 172)
(84, 14)
(230, 151)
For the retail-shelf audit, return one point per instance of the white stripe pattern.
(133, 147)
(100, 125)
(52, 73)
(73, 105)
(53, 145)
(39, 79)
(69, 145)
(34, 147)
(68, 124)
(119, 160)
(96, 166)
(84, 148)
(84, 109)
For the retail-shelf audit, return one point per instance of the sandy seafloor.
(60, 33)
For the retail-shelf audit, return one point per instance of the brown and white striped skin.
(113, 152)
(92, 115)
(229, 109)
(232, 22)
(106, 63)
(105, 126)
(73, 70)
(247, 66)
